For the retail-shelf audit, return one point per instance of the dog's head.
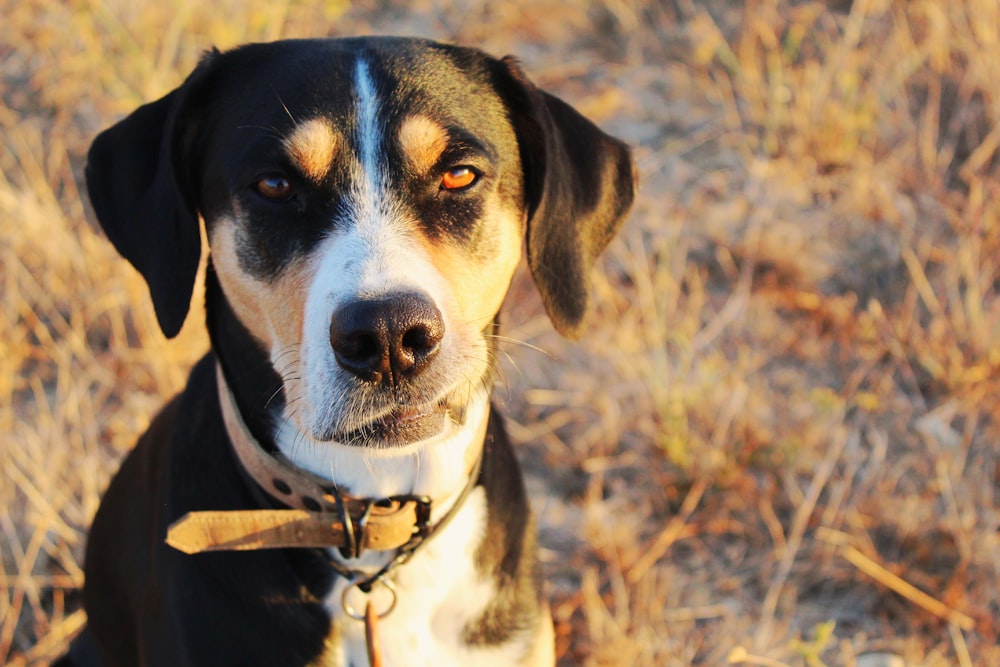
(365, 201)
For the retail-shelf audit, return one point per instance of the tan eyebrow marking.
(423, 141)
(312, 145)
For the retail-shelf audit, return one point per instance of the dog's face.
(365, 230)
(365, 203)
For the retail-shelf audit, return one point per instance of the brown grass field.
(776, 445)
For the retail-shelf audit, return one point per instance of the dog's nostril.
(360, 342)
(360, 346)
(422, 338)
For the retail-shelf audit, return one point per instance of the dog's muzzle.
(386, 343)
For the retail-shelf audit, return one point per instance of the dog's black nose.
(386, 339)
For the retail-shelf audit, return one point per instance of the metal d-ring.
(360, 581)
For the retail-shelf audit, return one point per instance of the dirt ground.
(776, 443)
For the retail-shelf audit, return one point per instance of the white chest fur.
(439, 593)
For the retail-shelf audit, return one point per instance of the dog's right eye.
(274, 188)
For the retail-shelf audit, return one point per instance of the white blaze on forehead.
(372, 212)
(369, 131)
(376, 244)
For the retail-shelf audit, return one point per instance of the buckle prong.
(351, 546)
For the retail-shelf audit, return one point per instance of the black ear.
(140, 185)
(579, 184)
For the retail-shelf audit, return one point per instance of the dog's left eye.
(458, 178)
(274, 188)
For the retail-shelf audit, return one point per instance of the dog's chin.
(400, 428)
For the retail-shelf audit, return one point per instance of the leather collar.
(320, 515)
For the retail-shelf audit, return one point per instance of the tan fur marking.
(423, 141)
(479, 286)
(312, 146)
(273, 312)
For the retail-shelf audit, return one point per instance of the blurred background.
(775, 445)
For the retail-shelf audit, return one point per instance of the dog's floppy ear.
(143, 193)
(579, 184)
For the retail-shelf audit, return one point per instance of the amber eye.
(274, 188)
(458, 178)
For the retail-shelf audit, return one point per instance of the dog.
(333, 485)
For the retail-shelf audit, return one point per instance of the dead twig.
(906, 589)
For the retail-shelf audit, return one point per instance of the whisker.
(518, 342)
(270, 398)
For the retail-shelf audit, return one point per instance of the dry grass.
(777, 444)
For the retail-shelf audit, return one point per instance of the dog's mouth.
(402, 426)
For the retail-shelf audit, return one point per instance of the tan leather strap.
(371, 636)
(247, 530)
(316, 520)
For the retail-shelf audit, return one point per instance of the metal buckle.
(423, 513)
(423, 510)
(354, 533)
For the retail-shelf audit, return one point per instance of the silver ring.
(356, 583)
